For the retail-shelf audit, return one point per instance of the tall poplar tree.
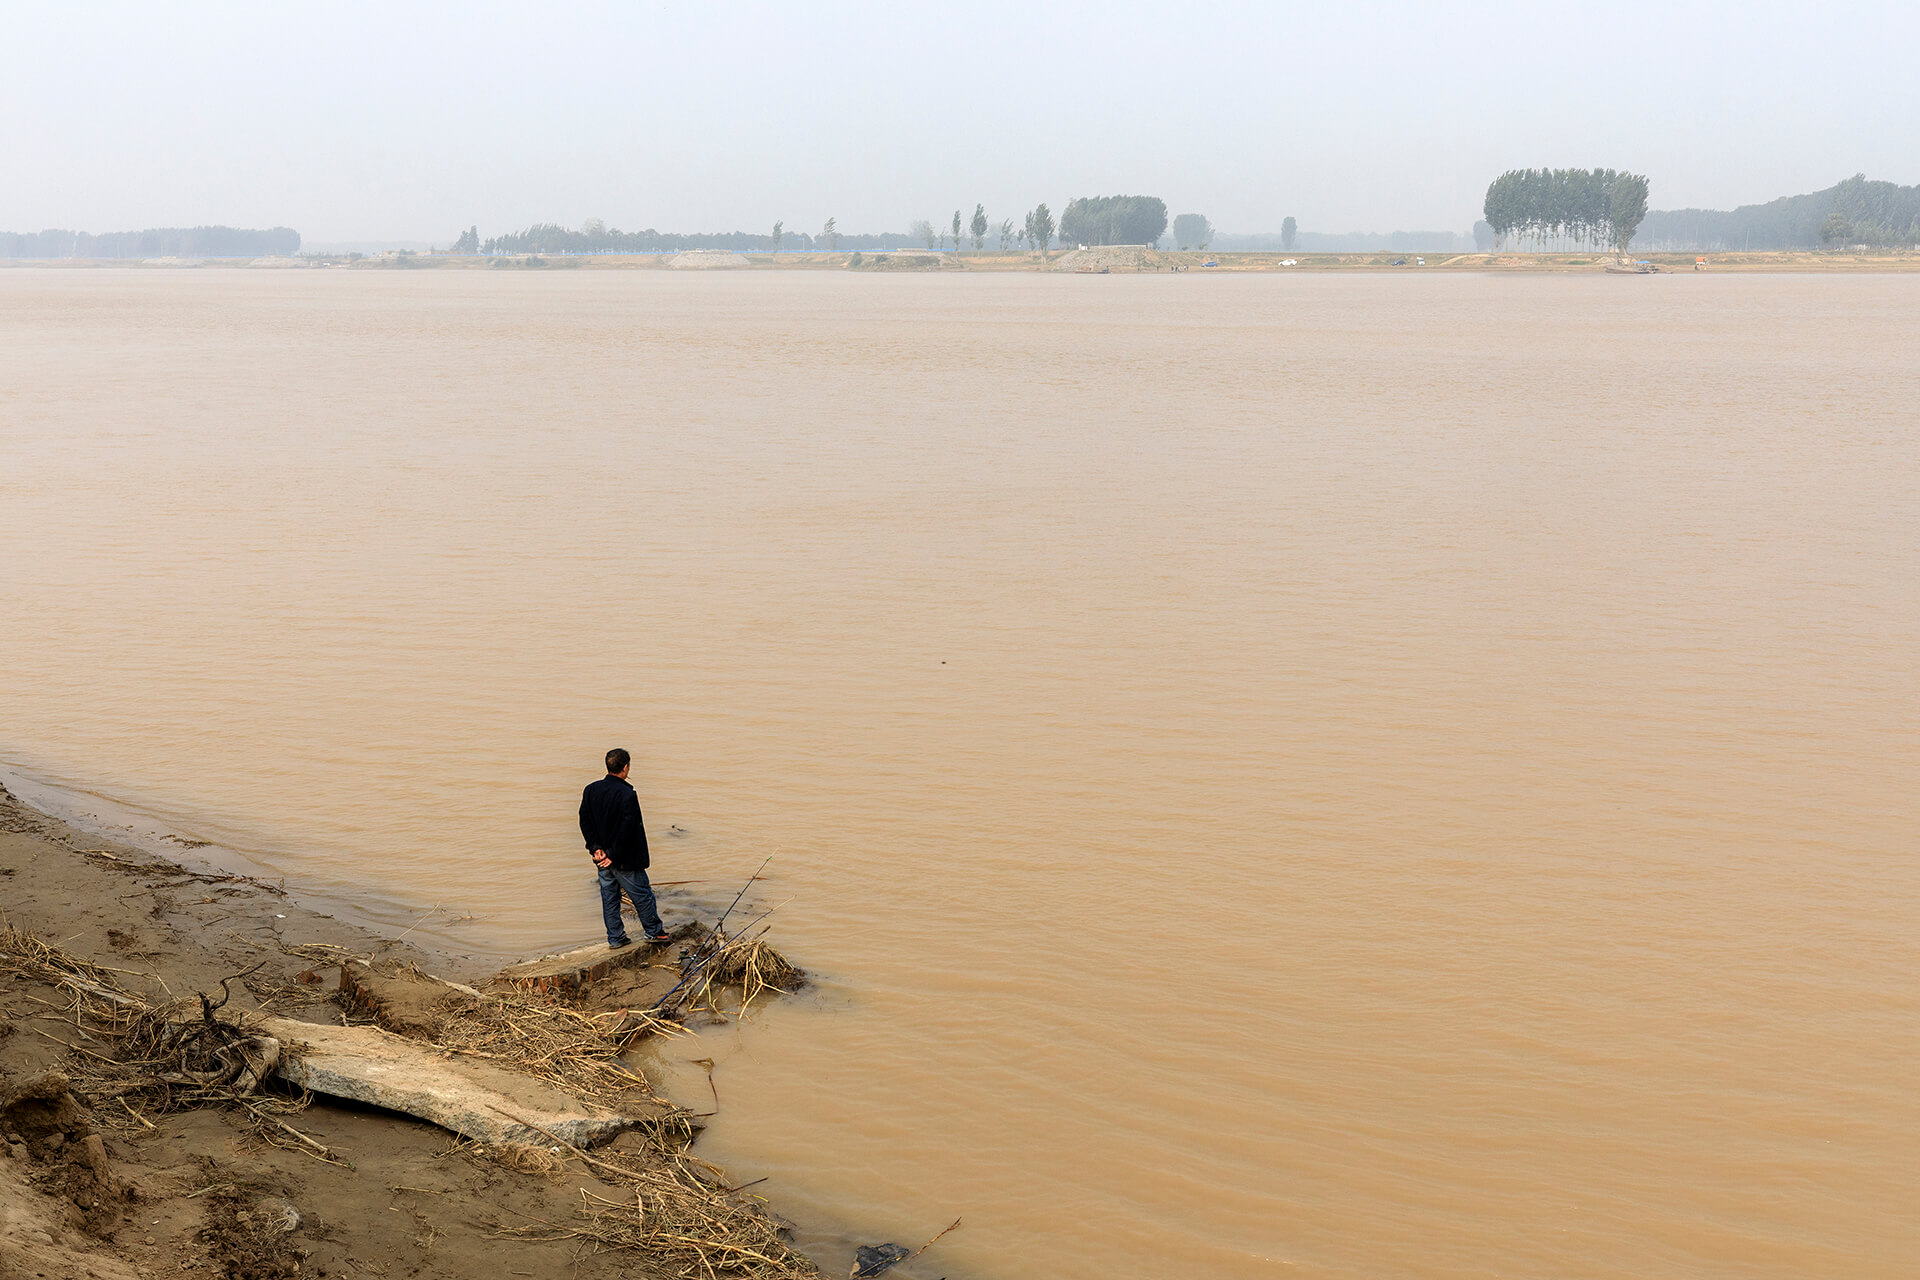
(1627, 203)
(1040, 227)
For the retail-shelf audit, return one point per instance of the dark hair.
(618, 759)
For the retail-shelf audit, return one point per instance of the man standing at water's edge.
(616, 836)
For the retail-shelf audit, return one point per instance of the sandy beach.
(134, 1181)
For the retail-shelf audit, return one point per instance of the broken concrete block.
(472, 1098)
(568, 971)
(402, 999)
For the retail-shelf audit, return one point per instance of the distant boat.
(1641, 268)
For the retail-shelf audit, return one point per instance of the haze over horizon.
(357, 122)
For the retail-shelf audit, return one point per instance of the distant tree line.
(1090, 220)
(596, 237)
(1566, 209)
(1036, 231)
(157, 242)
(1856, 211)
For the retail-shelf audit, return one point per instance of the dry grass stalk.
(625, 1026)
(523, 1158)
(573, 1051)
(25, 952)
(318, 952)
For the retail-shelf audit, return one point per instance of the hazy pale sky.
(353, 121)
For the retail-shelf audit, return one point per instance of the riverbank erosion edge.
(200, 1078)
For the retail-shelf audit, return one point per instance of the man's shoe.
(624, 942)
(659, 939)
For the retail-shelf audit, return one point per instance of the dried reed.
(755, 967)
(574, 1051)
(681, 1211)
(166, 1058)
(747, 962)
(680, 1217)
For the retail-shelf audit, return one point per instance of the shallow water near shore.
(1371, 776)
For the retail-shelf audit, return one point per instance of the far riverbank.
(1118, 259)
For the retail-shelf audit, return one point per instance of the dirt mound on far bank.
(906, 260)
(1114, 257)
(706, 260)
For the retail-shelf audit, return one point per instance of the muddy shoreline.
(112, 1189)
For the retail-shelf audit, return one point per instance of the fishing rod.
(743, 893)
(714, 953)
(713, 946)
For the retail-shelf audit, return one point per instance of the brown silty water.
(1377, 776)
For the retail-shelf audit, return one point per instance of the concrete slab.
(565, 972)
(466, 1096)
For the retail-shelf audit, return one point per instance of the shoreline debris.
(529, 1076)
(877, 1259)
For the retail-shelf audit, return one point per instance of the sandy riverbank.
(172, 1192)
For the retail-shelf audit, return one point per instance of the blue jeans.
(634, 881)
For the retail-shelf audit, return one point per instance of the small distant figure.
(1699, 263)
(616, 836)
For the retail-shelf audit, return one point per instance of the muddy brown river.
(1380, 776)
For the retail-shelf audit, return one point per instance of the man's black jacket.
(610, 819)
